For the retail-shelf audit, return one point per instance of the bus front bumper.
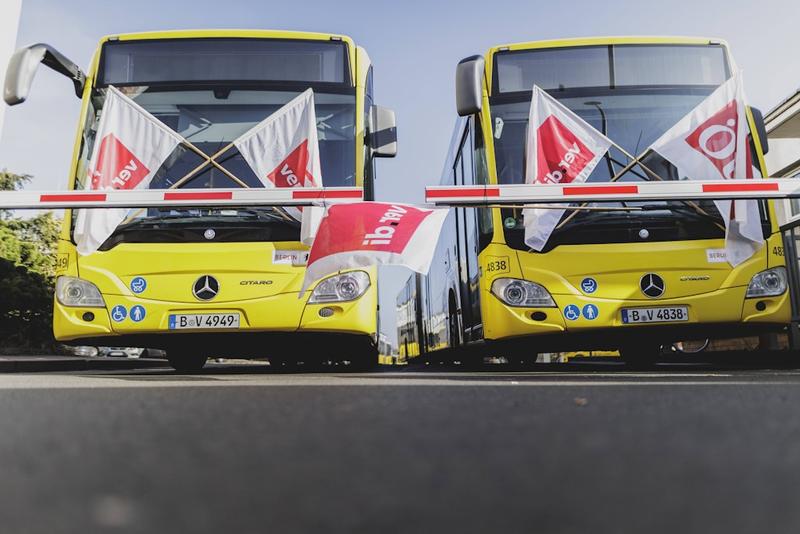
(281, 320)
(724, 313)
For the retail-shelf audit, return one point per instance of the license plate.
(203, 321)
(666, 314)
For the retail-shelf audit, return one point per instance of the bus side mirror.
(469, 85)
(761, 129)
(22, 67)
(382, 132)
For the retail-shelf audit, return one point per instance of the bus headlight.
(521, 293)
(71, 291)
(340, 288)
(769, 283)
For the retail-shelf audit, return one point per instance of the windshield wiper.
(683, 208)
(169, 218)
(272, 215)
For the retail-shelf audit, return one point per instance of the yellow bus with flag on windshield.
(206, 114)
(636, 272)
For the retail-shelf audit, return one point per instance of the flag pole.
(200, 167)
(634, 160)
(189, 175)
(212, 161)
(656, 176)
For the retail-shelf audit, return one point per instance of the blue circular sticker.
(590, 312)
(118, 313)
(138, 285)
(137, 313)
(572, 312)
(588, 285)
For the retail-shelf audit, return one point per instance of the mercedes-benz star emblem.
(652, 285)
(210, 234)
(206, 288)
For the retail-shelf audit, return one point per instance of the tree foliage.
(27, 274)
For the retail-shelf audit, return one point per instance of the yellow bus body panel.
(267, 296)
(713, 292)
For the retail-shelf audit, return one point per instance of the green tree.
(27, 273)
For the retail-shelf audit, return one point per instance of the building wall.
(783, 159)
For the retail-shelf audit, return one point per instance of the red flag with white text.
(373, 233)
(711, 143)
(561, 148)
(130, 146)
(283, 151)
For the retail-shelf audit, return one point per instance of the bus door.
(469, 276)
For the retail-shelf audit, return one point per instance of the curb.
(44, 364)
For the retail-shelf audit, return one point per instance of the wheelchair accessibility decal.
(572, 312)
(118, 313)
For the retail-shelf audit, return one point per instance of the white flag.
(373, 233)
(283, 151)
(130, 147)
(711, 143)
(561, 148)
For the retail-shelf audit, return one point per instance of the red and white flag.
(373, 233)
(561, 148)
(283, 151)
(130, 146)
(711, 143)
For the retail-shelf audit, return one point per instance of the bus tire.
(452, 323)
(186, 362)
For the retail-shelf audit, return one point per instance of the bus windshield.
(630, 93)
(211, 101)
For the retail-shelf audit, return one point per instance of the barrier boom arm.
(481, 195)
(175, 198)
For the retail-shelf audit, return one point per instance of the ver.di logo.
(562, 156)
(117, 167)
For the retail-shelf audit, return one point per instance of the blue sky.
(414, 45)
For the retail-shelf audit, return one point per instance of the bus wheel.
(186, 362)
(452, 324)
(640, 356)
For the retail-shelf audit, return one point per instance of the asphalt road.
(566, 449)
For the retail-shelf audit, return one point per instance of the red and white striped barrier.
(597, 192)
(174, 198)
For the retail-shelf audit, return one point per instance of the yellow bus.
(600, 269)
(219, 281)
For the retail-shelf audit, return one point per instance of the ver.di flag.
(283, 151)
(711, 143)
(373, 233)
(130, 146)
(560, 148)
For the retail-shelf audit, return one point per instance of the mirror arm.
(61, 64)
